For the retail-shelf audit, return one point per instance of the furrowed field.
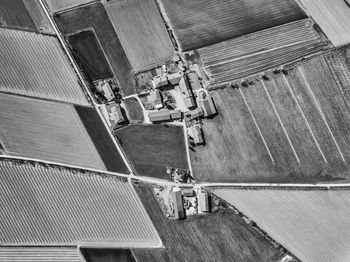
(141, 31)
(312, 224)
(223, 236)
(200, 23)
(256, 52)
(95, 16)
(56, 6)
(14, 14)
(290, 127)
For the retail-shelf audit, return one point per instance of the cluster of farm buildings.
(165, 130)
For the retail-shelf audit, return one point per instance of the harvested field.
(89, 55)
(101, 139)
(35, 65)
(56, 6)
(46, 130)
(38, 16)
(107, 255)
(95, 16)
(312, 224)
(256, 52)
(151, 148)
(286, 128)
(223, 236)
(14, 14)
(199, 23)
(142, 32)
(333, 17)
(134, 109)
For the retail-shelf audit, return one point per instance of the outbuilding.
(159, 116)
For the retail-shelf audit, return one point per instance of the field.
(101, 139)
(292, 127)
(95, 16)
(151, 148)
(223, 236)
(142, 32)
(257, 52)
(35, 65)
(45, 205)
(89, 55)
(107, 255)
(56, 6)
(38, 16)
(134, 109)
(14, 14)
(45, 130)
(312, 224)
(200, 23)
(332, 16)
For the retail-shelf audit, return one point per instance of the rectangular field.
(95, 16)
(57, 6)
(46, 130)
(333, 17)
(151, 148)
(89, 55)
(38, 16)
(257, 52)
(14, 14)
(199, 23)
(312, 224)
(291, 127)
(223, 236)
(142, 32)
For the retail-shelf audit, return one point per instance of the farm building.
(141, 31)
(194, 80)
(179, 211)
(35, 65)
(115, 113)
(196, 113)
(175, 78)
(160, 81)
(188, 192)
(313, 224)
(205, 101)
(196, 133)
(159, 116)
(203, 201)
(158, 101)
(66, 207)
(186, 92)
(175, 114)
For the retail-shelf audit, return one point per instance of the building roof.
(157, 116)
(194, 80)
(175, 78)
(42, 254)
(46, 206)
(35, 65)
(208, 106)
(159, 81)
(198, 112)
(312, 224)
(175, 114)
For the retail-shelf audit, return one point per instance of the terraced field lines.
(279, 119)
(307, 122)
(257, 126)
(320, 111)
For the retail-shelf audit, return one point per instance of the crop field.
(45, 130)
(89, 55)
(142, 32)
(101, 139)
(107, 255)
(292, 127)
(56, 6)
(95, 16)
(151, 148)
(200, 23)
(223, 236)
(38, 16)
(256, 52)
(14, 14)
(333, 17)
(312, 224)
(35, 65)
(134, 109)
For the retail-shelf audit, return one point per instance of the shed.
(203, 201)
(179, 211)
(159, 116)
(175, 114)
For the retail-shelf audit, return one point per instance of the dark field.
(38, 16)
(89, 55)
(14, 14)
(223, 236)
(257, 52)
(107, 255)
(102, 141)
(134, 109)
(151, 148)
(200, 23)
(95, 16)
(307, 140)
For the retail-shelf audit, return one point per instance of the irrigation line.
(304, 117)
(279, 119)
(320, 111)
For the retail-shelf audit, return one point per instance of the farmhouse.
(115, 113)
(159, 116)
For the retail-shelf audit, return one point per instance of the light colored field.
(56, 6)
(199, 23)
(256, 52)
(141, 31)
(54, 206)
(45, 130)
(332, 16)
(35, 65)
(38, 16)
(312, 224)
